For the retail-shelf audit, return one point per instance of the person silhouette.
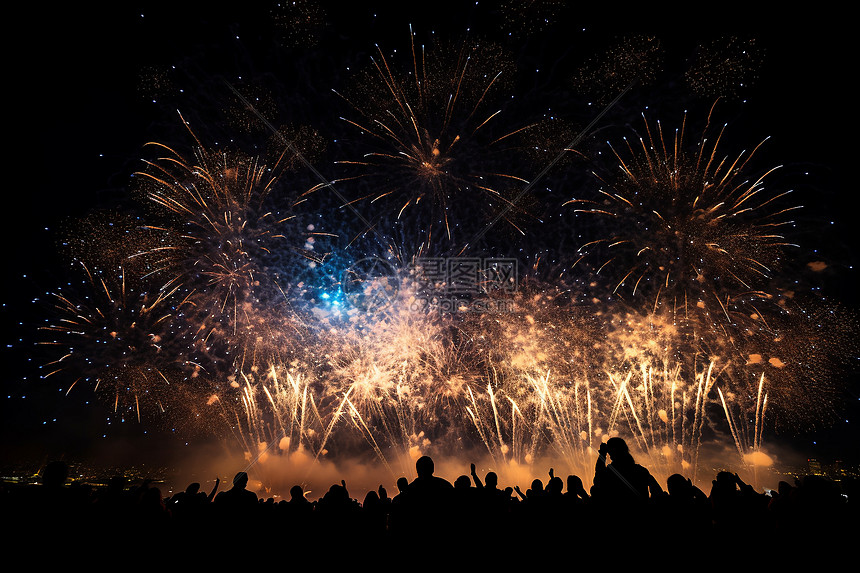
(237, 499)
(427, 485)
(576, 493)
(623, 481)
(429, 499)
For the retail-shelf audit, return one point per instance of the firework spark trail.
(564, 436)
(740, 431)
(588, 417)
(560, 420)
(472, 411)
(705, 382)
(368, 434)
(492, 396)
(295, 411)
(503, 448)
(761, 407)
(732, 423)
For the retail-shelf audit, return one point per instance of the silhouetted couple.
(623, 482)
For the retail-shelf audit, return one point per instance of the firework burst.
(687, 231)
(221, 242)
(435, 145)
(404, 370)
(725, 67)
(115, 338)
(635, 59)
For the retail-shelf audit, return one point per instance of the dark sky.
(80, 120)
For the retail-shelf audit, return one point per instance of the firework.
(801, 353)
(725, 67)
(565, 377)
(115, 339)
(434, 145)
(530, 17)
(687, 231)
(545, 380)
(635, 59)
(221, 243)
(298, 22)
(225, 303)
(244, 119)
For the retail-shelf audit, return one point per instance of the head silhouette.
(371, 500)
(726, 482)
(240, 480)
(677, 485)
(297, 492)
(618, 451)
(424, 467)
(492, 480)
(555, 486)
(54, 474)
(463, 482)
(616, 446)
(337, 494)
(402, 484)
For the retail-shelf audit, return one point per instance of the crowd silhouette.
(625, 502)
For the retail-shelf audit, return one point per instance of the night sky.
(80, 94)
